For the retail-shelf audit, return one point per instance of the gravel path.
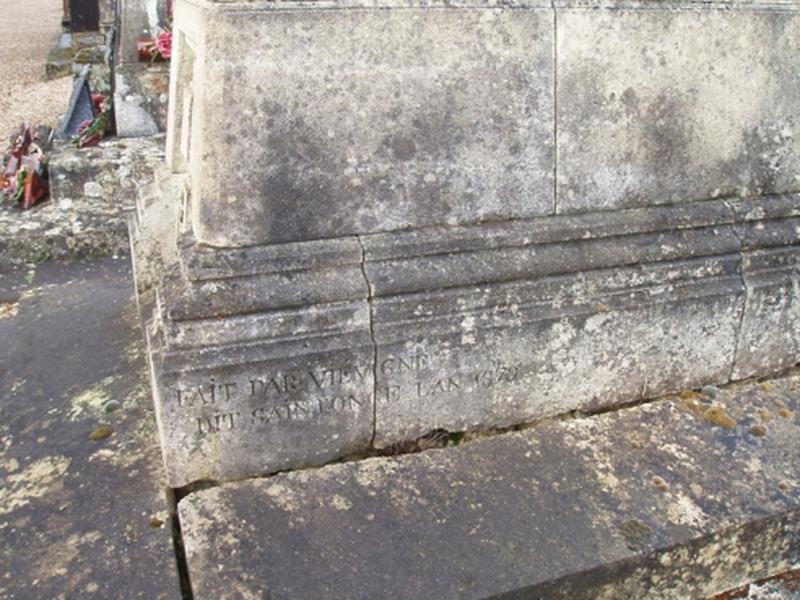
(28, 30)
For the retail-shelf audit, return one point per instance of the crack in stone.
(370, 297)
(555, 107)
(178, 547)
(747, 293)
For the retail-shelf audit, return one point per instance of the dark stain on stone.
(665, 137)
(403, 148)
(155, 522)
(660, 484)
(635, 533)
(631, 102)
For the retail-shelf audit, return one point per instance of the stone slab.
(370, 119)
(683, 497)
(140, 89)
(468, 359)
(140, 99)
(675, 104)
(298, 401)
(78, 518)
(90, 189)
(137, 18)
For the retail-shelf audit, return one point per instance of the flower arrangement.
(91, 131)
(24, 176)
(156, 50)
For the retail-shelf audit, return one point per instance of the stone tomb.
(383, 219)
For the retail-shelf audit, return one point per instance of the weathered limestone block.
(770, 335)
(674, 105)
(517, 327)
(353, 115)
(325, 347)
(262, 373)
(265, 408)
(655, 501)
(374, 238)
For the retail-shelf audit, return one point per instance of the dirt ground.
(28, 30)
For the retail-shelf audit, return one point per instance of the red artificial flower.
(164, 44)
(98, 101)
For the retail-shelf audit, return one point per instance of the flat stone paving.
(83, 512)
(685, 497)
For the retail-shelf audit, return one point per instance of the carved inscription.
(272, 399)
(306, 381)
(205, 394)
(416, 377)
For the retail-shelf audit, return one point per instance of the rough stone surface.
(79, 517)
(770, 337)
(140, 99)
(785, 586)
(404, 116)
(381, 210)
(85, 215)
(664, 106)
(59, 58)
(469, 359)
(464, 328)
(675, 499)
(367, 119)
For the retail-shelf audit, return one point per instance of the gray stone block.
(464, 328)
(497, 357)
(770, 329)
(264, 409)
(655, 501)
(367, 192)
(368, 119)
(680, 103)
(132, 114)
(141, 89)
(301, 378)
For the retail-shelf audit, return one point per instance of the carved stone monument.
(386, 218)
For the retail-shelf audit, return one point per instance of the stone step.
(685, 497)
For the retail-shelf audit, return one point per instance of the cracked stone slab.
(688, 496)
(83, 510)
